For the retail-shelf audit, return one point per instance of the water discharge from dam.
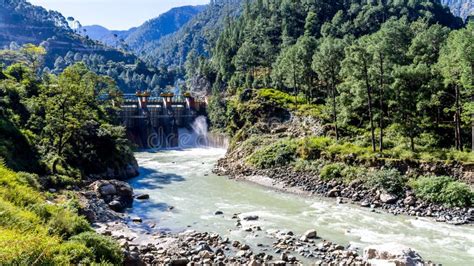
(199, 137)
(182, 178)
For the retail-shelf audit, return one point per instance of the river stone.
(409, 201)
(206, 254)
(251, 218)
(388, 198)
(254, 263)
(136, 219)
(241, 253)
(143, 197)
(203, 247)
(219, 213)
(392, 253)
(310, 234)
(244, 247)
(116, 205)
(107, 189)
(333, 193)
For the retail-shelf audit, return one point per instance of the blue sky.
(114, 14)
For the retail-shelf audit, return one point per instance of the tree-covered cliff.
(389, 74)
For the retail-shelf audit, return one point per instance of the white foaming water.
(183, 179)
(200, 126)
(197, 137)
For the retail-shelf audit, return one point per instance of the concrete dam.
(155, 122)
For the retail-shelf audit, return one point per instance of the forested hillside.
(135, 39)
(460, 8)
(153, 30)
(198, 35)
(391, 76)
(22, 23)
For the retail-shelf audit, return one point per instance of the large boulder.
(388, 198)
(392, 254)
(117, 194)
(310, 234)
(410, 201)
(107, 189)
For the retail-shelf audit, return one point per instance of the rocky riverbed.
(144, 244)
(289, 180)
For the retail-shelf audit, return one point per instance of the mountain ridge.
(152, 30)
(23, 23)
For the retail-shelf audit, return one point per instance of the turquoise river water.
(183, 179)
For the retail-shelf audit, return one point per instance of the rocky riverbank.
(143, 243)
(289, 180)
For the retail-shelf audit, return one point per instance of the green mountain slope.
(199, 34)
(22, 23)
(153, 30)
(363, 68)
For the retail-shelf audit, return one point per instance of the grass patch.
(34, 231)
(298, 104)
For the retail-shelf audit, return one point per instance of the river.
(182, 179)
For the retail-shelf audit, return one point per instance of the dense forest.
(363, 94)
(197, 36)
(385, 73)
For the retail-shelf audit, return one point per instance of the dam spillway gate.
(154, 122)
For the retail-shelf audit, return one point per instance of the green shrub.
(312, 110)
(311, 148)
(29, 179)
(342, 150)
(389, 180)
(307, 166)
(280, 153)
(66, 223)
(283, 99)
(460, 156)
(443, 189)
(332, 171)
(73, 252)
(104, 248)
(429, 187)
(351, 173)
(457, 194)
